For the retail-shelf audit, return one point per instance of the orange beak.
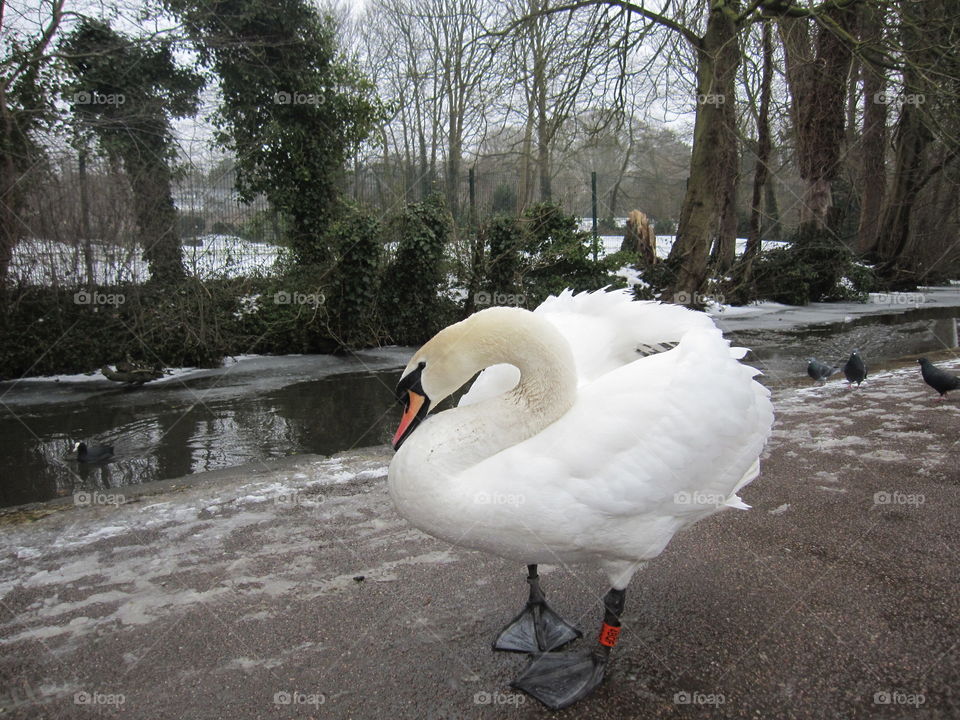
(410, 417)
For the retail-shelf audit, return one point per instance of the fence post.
(593, 205)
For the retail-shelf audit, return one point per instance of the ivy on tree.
(125, 92)
(292, 109)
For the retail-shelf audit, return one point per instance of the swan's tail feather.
(734, 501)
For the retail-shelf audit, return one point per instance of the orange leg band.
(609, 634)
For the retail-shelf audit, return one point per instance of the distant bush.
(268, 226)
(57, 330)
(190, 226)
(356, 240)
(223, 228)
(542, 253)
(816, 267)
(504, 240)
(504, 199)
(411, 304)
(355, 299)
(667, 226)
(557, 255)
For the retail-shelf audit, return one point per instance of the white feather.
(650, 445)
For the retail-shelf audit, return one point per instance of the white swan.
(601, 428)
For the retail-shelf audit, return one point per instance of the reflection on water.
(782, 356)
(158, 438)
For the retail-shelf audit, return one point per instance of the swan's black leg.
(537, 628)
(558, 680)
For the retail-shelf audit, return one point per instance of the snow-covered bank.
(774, 316)
(261, 371)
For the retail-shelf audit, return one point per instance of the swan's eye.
(411, 381)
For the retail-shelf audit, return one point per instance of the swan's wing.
(609, 329)
(605, 330)
(671, 437)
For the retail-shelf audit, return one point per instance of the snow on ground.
(169, 374)
(45, 262)
(770, 315)
(611, 244)
(187, 524)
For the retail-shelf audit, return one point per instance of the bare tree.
(456, 29)
(761, 171)
(563, 56)
(24, 97)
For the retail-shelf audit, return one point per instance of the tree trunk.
(725, 247)
(873, 143)
(817, 70)
(525, 191)
(912, 138)
(157, 221)
(615, 190)
(919, 37)
(771, 229)
(453, 169)
(543, 130)
(712, 171)
(9, 220)
(85, 217)
(762, 168)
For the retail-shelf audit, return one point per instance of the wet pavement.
(292, 589)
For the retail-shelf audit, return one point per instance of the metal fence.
(80, 228)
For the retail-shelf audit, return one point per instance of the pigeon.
(940, 380)
(820, 371)
(94, 453)
(855, 369)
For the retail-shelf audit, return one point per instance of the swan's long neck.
(547, 388)
(548, 380)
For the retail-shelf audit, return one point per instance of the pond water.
(266, 407)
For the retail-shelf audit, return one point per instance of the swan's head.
(450, 358)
